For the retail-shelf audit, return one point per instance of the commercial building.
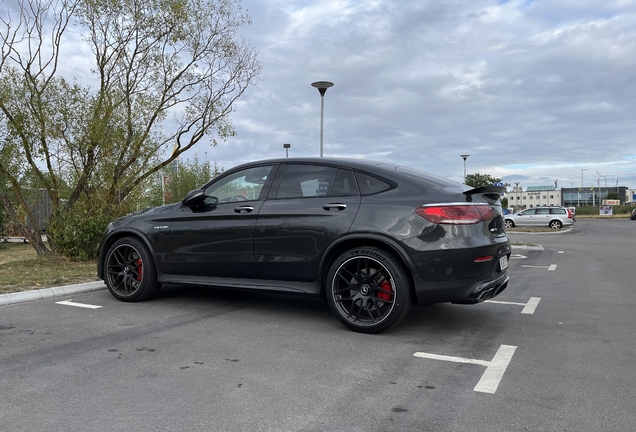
(538, 196)
(533, 196)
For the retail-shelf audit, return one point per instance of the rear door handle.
(244, 209)
(340, 207)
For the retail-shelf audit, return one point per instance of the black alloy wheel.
(368, 290)
(130, 271)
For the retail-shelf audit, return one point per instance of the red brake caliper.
(386, 291)
(140, 269)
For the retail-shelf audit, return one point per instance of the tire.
(130, 271)
(509, 224)
(368, 290)
(555, 224)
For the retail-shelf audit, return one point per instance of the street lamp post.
(598, 190)
(286, 147)
(464, 157)
(322, 87)
(584, 169)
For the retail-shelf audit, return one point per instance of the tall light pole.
(464, 157)
(598, 190)
(286, 147)
(322, 87)
(584, 169)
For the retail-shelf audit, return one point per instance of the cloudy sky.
(533, 91)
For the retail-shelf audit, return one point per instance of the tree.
(167, 74)
(478, 180)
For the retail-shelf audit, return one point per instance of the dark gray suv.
(370, 237)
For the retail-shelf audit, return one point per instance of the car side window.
(543, 211)
(299, 181)
(528, 212)
(244, 185)
(370, 185)
(557, 211)
(344, 184)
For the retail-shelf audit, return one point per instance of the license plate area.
(503, 263)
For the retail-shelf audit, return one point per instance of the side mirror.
(194, 198)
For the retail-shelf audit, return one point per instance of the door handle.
(340, 207)
(244, 209)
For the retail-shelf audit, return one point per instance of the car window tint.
(371, 185)
(240, 186)
(344, 184)
(300, 181)
(557, 211)
(543, 211)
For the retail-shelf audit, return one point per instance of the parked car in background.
(633, 215)
(553, 217)
(370, 237)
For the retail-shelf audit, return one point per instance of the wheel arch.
(362, 240)
(112, 238)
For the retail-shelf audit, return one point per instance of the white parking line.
(494, 369)
(528, 309)
(494, 372)
(531, 305)
(82, 305)
(550, 267)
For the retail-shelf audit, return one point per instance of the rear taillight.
(456, 214)
(569, 213)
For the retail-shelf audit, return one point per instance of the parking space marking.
(529, 307)
(560, 251)
(82, 305)
(551, 267)
(494, 369)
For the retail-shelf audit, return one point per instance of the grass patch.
(534, 229)
(522, 243)
(21, 269)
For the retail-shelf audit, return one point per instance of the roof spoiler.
(490, 193)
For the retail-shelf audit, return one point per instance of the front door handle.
(244, 209)
(339, 207)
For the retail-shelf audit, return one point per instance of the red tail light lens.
(456, 214)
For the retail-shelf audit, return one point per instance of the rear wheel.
(555, 224)
(130, 271)
(509, 224)
(368, 290)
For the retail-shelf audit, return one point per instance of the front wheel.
(368, 290)
(130, 270)
(555, 224)
(509, 224)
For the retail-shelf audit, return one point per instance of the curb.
(521, 247)
(47, 293)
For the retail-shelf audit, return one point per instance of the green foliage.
(180, 62)
(614, 196)
(478, 180)
(77, 232)
(594, 210)
(190, 174)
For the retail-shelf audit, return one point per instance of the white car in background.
(553, 217)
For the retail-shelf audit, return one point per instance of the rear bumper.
(469, 291)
